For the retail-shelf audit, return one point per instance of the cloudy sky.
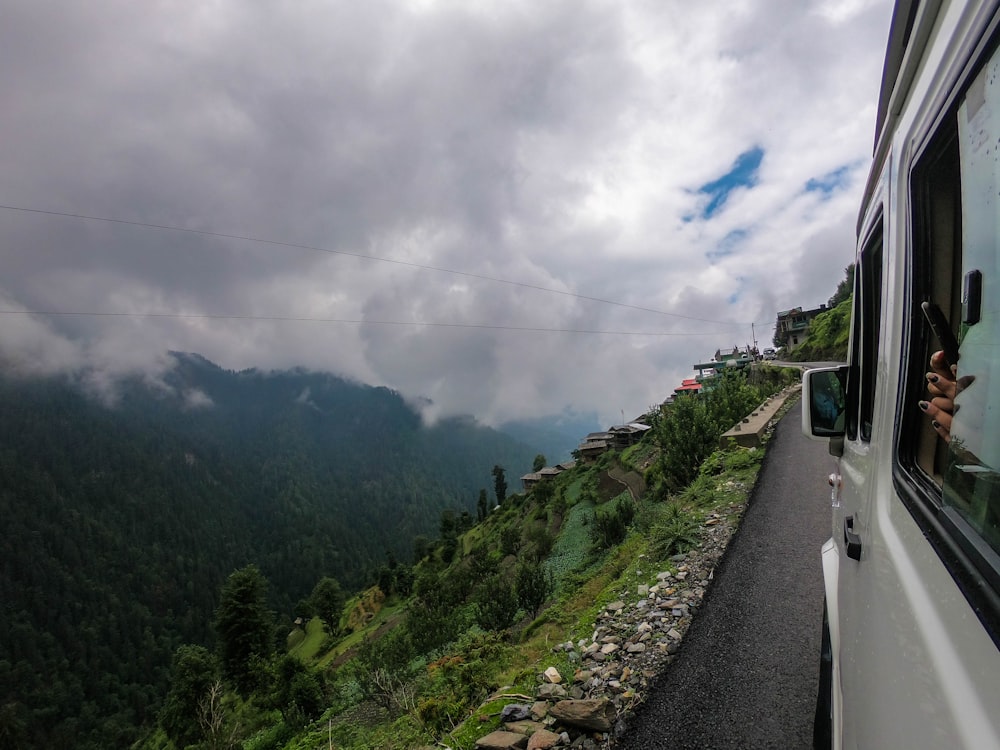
(510, 208)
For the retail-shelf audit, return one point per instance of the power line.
(303, 319)
(314, 248)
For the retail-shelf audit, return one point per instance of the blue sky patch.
(829, 182)
(727, 245)
(737, 293)
(743, 174)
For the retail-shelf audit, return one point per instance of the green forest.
(123, 521)
(412, 661)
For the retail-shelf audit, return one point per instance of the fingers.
(938, 385)
(943, 431)
(939, 410)
(943, 384)
(940, 366)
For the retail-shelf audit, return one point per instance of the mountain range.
(123, 520)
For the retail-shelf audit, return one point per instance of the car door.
(853, 499)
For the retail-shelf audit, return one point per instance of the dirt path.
(631, 480)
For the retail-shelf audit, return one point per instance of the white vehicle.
(912, 573)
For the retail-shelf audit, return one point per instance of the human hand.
(943, 385)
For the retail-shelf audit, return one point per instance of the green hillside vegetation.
(122, 523)
(415, 660)
(829, 334)
(830, 331)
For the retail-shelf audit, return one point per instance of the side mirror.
(824, 402)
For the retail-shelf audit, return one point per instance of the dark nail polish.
(936, 424)
(932, 378)
(923, 405)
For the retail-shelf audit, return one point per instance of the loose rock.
(501, 740)
(596, 715)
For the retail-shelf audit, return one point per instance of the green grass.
(388, 612)
(485, 719)
(310, 641)
(570, 550)
(587, 581)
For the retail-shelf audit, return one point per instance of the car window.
(871, 306)
(972, 480)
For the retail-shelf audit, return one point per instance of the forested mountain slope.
(121, 523)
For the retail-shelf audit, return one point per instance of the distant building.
(724, 355)
(594, 445)
(689, 386)
(549, 472)
(792, 327)
(623, 436)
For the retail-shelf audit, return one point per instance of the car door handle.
(851, 540)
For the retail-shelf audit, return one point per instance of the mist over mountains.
(122, 519)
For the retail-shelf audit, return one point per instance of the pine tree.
(499, 484)
(483, 505)
(193, 671)
(244, 625)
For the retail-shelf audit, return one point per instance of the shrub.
(496, 604)
(510, 539)
(439, 715)
(533, 585)
(736, 460)
(541, 541)
(559, 506)
(611, 525)
(389, 657)
(673, 531)
(543, 492)
(431, 624)
(686, 436)
(731, 399)
(687, 431)
(702, 492)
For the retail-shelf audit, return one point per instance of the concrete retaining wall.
(749, 431)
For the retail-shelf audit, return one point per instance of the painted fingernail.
(923, 405)
(932, 378)
(935, 424)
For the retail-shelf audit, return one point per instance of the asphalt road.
(747, 672)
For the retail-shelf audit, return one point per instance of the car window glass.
(972, 482)
(871, 307)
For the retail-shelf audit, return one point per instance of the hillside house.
(623, 436)
(792, 327)
(689, 387)
(594, 445)
(549, 472)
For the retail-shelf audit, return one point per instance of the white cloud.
(558, 145)
(197, 399)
